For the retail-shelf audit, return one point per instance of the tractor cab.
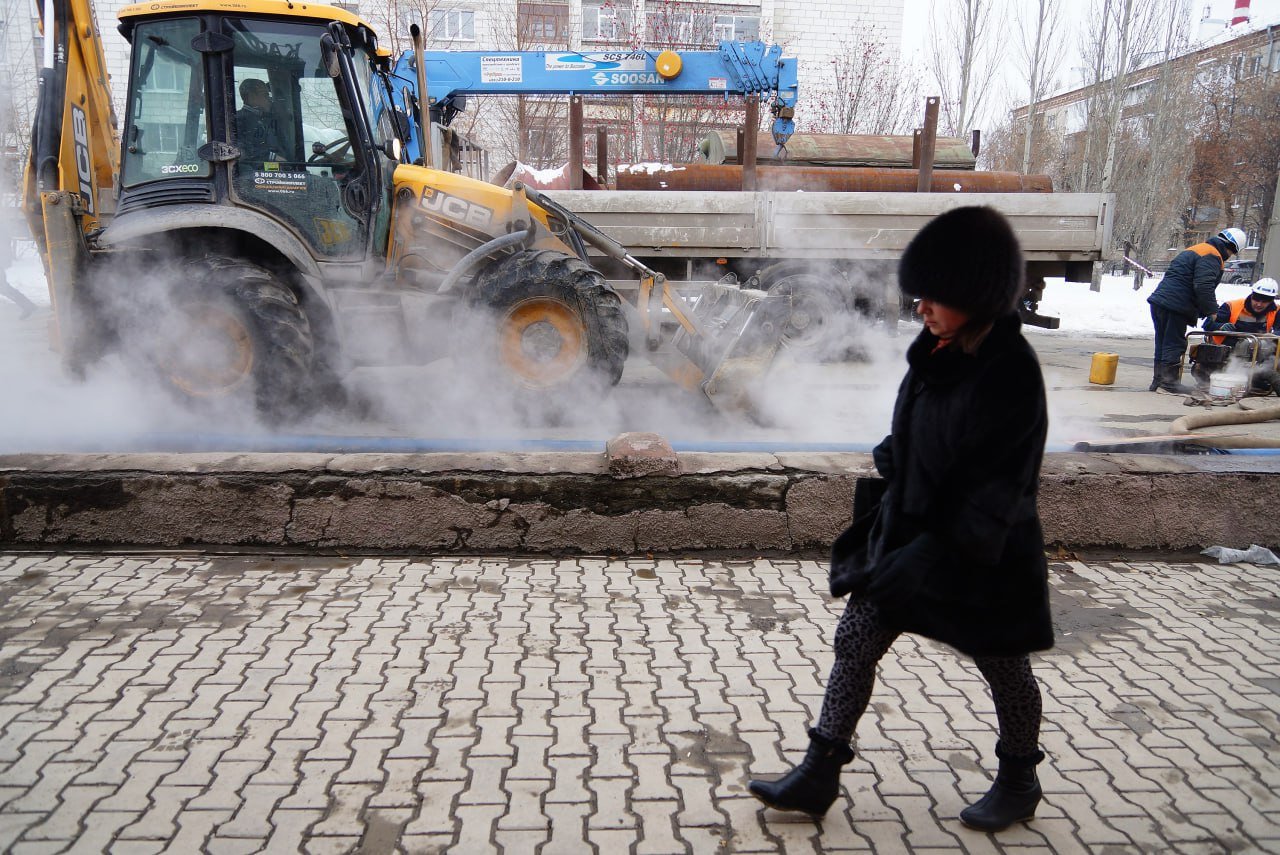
(262, 106)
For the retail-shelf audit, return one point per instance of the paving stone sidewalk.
(190, 703)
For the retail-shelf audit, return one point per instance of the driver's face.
(259, 98)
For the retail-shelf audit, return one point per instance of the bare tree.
(1041, 51)
(1152, 164)
(1237, 150)
(868, 90)
(1095, 46)
(1123, 36)
(961, 60)
(1135, 25)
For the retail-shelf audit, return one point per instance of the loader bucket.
(735, 339)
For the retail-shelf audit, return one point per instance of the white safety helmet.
(1268, 288)
(1235, 237)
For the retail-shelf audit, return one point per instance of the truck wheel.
(817, 307)
(236, 334)
(557, 322)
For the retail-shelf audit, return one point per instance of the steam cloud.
(117, 405)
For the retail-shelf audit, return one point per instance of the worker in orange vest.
(1186, 294)
(1256, 314)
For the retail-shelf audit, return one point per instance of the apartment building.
(1247, 54)
(816, 31)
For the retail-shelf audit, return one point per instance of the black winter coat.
(955, 551)
(1189, 285)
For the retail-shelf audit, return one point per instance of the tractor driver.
(255, 124)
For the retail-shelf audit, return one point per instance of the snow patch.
(541, 176)
(649, 168)
(1116, 310)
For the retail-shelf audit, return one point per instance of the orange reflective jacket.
(1237, 309)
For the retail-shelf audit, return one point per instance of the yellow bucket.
(1103, 369)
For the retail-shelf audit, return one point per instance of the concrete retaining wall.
(566, 503)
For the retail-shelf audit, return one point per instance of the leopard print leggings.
(861, 640)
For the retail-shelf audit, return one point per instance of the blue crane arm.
(736, 68)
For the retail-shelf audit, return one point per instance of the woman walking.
(953, 549)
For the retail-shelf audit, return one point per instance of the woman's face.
(942, 321)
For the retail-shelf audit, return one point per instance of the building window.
(1255, 66)
(694, 27)
(166, 76)
(453, 24)
(672, 27)
(543, 23)
(161, 138)
(741, 28)
(605, 23)
(1252, 242)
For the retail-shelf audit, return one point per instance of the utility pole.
(1271, 252)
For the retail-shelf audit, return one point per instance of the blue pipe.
(325, 444)
(318, 443)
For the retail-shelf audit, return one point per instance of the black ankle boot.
(1169, 377)
(812, 786)
(1012, 798)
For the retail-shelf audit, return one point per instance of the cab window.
(166, 122)
(296, 159)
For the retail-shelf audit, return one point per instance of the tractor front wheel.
(558, 324)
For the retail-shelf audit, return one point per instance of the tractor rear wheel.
(235, 333)
(558, 324)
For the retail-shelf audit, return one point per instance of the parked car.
(1238, 270)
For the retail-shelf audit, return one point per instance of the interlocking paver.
(192, 703)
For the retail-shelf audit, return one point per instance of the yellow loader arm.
(69, 185)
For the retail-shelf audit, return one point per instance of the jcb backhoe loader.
(258, 233)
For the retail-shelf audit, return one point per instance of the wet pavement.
(187, 702)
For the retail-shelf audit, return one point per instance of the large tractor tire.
(558, 324)
(234, 335)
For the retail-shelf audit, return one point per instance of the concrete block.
(818, 509)
(634, 455)
(387, 514)
(149, 509)
(712, 526)
(579, 529)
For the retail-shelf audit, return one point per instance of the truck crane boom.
(736, 68)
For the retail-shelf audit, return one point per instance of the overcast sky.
(915, 36)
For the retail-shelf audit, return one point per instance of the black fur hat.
(966, 259)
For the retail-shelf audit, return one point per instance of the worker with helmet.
(1255, 313)
(1185, 294)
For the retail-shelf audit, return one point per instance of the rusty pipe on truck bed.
(813, 179)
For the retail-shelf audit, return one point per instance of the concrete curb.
(558, 502)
